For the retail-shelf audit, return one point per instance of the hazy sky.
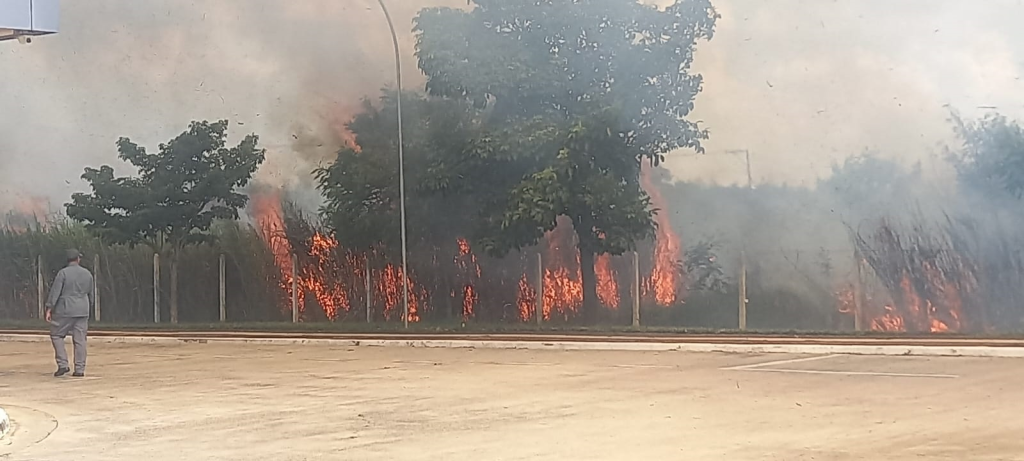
(799, 83)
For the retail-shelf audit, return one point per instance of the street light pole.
(401, 163)
(746, 153)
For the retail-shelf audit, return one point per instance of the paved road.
(260, 402)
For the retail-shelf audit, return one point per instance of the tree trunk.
(589, 281)
(174, 286)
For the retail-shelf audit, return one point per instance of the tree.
(176, 196)
(867, 185)
(704, 270)
(577, 93)
(991, 156)
(360, 188)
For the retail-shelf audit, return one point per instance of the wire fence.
(242, 278)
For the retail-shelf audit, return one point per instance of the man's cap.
(73, 254)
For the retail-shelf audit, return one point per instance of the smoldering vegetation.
(877, 245)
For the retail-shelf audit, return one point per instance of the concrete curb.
(5, 423)
(881, 350)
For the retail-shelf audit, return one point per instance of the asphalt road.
(222, 401)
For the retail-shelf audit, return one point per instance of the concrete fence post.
(636, 290)
(743, 291)
(223, 289)
(295, 288)
(858, 293)
(156, 287)
(540, 289)
(40, 287)
(96, 286)
(369, 293)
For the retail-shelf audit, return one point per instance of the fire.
(270, 222)
(924, 312)
(607, 286)
(938, 326)
(317, 278)
(339, 119)
(665, 280)
(889, 321)
(389, 287)
(469, 271)
(563, 286)
(918, 312)
(36, 206)
(926, 275)
(469, 299)
(562, 293)
(526, 301)
(325, 267)
(28, 212)
(845, 301)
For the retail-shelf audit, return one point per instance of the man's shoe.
(61, 372)
(78, 374)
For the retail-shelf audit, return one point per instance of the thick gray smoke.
(805, 83)
(289, 71)
(800, 83)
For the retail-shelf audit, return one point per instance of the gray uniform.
(71, 298)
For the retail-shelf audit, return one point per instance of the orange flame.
(389, 287)
(322, 279)
(469, 269)
(890, 321)
(526, 300)
(28, 212)
(562, 293)
(563, 290)
(607, 286)
(270, 222)
(665, 280)
(918, 313)
(845, 301)
(339, 119)
(324, 274)
(469, 299)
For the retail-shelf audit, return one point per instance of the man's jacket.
(72, 293)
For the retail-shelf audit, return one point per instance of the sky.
(801, 84)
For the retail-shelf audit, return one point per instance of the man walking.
(67, 310)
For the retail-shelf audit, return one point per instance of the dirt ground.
(247, 402)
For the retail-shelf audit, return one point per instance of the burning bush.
(931, 281)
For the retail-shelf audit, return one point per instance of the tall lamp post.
(401, 164)
(746, 153)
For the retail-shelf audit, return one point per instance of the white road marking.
(850, 373)
(780, 362)
(429, 362)
(643, 366)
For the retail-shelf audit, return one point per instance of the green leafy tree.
(991, 156)
(703, 269)
(360, 188)
(577, 94)
(176, 196)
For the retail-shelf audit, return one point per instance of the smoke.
(291, 72)
(800, 83)
(805, 83)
